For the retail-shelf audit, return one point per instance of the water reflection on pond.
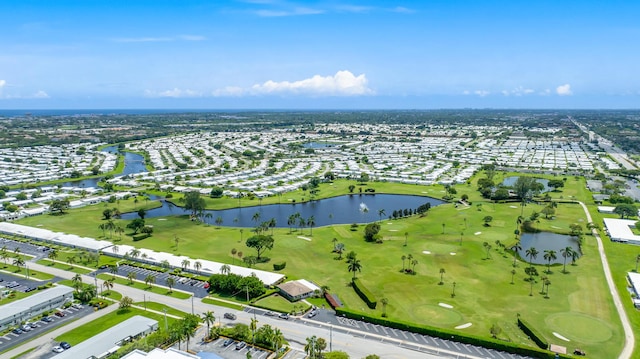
(547, 241)
(336, 210)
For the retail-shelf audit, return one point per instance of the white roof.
(108, 340)
(22, 305)
(208, 267)
(620, 230)
(158, 353)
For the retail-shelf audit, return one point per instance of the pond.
(356, 208)
(318, 145)
(510, 181)
(547, 241)
(133, 163)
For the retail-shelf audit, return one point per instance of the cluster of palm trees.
(315, 346)
(234, 253)
(337, 248)
(18, 261)
(411, 262)
(83, 292)
(111, 227)
(263, 226)
(297, 219)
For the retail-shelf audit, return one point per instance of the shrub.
(533, 334)
(364, 293)
(279, 266)
(139, 237)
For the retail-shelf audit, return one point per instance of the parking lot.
(25, 248)
(17, 283)
(11, 339)
(181, 283)
(230, 351)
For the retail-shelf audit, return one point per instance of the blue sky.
(319, 54)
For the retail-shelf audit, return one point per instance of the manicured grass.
(159, 307)
(22, 272)
(112, 294)
(16, 296)
(23, 353)
(153, 288)
(63, 266)
(84, 332)
(452, 236)
(214, 301)
(281, 304)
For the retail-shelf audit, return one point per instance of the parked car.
(65, 345)
(33, 325)
(25, 328)
(60, 314)
(57, 349)
(240, 345)
(270, 314)
(77, 306)
(284, 316)
(312, 314)
(47, 319)
(17, 331)
(230, 316)
(227, 342)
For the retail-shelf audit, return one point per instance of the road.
(629, 343)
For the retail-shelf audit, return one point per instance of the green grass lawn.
(152, 289)
(448, 237)
(280, 304)
(221, 303)
(22, 272)
(84, 332)
(63, 266)
(160, 307)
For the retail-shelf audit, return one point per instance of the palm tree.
(4, 255)
(197, 265)
(170, 283)
(209, 319)
(272, 224)
(513, 273)
(442, 271)
(487, 246)
(233, 255)
(406, 238)
(253, 326)
(381, 213)
(384, 302)
(334, 241)
(574, 255)
(189, 332)
(414, 263)
(547, 282)
(241, 231)
(549, 255)
(131, 276)
(77, 281)
(532, 253)
(225, 269)
(176, 240)
(278, 339)
(185, 264)
(403, 259)
(108, 284)
(53, 254)
(291, 221)
(149, 279)
(566, 253)
(339, 249)
(256, 217)
(114, 270)
(516, 250)
(219, 221)
(71, 260)
(311, 221)
(134, 253)
(354, 266)
(18, 262)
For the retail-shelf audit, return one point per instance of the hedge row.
(491, 343)
(364, 293)
(279, 266)
(533, 334)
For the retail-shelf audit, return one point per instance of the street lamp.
(166, 326)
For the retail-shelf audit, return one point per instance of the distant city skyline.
(278, 54)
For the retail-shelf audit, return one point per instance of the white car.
(77, 306)
(26, 328)
(57, 349)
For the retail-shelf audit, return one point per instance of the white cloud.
(564, 90)
(518, 91)
(174, 93)
(231, 91)
(482, 93)
(402, 10)
(2, 83)
(343, 83)
(40, 94)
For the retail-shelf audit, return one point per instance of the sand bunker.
(466, 325)
(305, 238)
(560, 337)
(445, 305)
(426, 252)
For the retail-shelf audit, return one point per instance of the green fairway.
(448, 237)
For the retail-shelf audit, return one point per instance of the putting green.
(437, 315)
(579, 327)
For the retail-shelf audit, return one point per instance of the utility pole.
(166, 326)
(330, 337)
(192, 304)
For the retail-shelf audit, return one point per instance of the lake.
(133, 163)
(547, 241)
(356, 208)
